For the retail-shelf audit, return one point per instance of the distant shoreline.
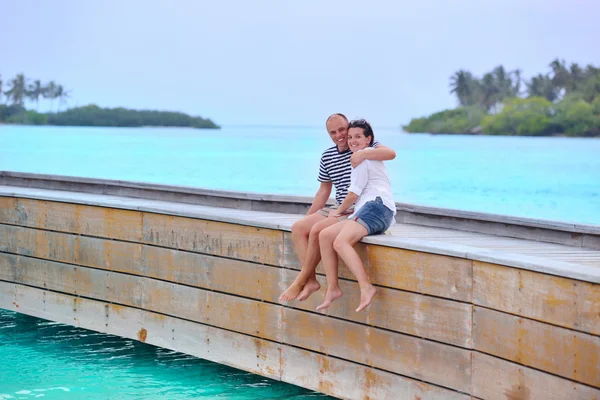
(94, 116)
(103, 126)
(565, 101)
(21, 90)
(557, 135)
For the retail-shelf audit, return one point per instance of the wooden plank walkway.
(576, 255)
(572, 262)
(459, 314)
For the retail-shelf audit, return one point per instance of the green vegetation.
(565, 101)
(13, 110)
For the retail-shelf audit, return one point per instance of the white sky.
(282, 62)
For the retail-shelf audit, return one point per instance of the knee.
(299, 228)
(325, 236)
(315, 232)
(338, 244)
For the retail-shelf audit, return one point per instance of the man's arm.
(379, 153)
(321, 197)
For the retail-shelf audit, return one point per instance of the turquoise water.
(48, 360)
(547, 178)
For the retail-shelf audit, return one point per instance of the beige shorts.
(325, 211)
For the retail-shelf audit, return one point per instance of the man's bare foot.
(311, 286)
(291, 293)
(366, 295)
(331, 296)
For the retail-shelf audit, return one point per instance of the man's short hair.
(336, 115)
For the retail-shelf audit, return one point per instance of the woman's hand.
(333, 214)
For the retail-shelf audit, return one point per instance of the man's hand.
(333, 214)
(357, 158)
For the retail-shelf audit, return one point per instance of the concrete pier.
(469, 306)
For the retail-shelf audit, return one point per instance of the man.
(335, 169)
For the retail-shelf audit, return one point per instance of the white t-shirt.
(369, 180)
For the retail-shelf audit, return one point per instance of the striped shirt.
(335, 167)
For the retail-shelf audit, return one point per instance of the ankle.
(300, 281)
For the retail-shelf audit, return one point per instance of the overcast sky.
(286, 62)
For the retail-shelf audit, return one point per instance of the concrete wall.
(441, 327)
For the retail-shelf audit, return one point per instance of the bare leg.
(303, 235)
(344, 246)
(300, 235)
(300, 232)
(330, 263)
(307, 275)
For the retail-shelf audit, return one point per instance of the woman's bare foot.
(311, 286)
(366, 295)
(331, 296)
(292, 292)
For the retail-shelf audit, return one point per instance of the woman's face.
(357, 140)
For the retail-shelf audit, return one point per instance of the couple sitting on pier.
(364, 206)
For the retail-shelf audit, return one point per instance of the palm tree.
(560, 78)
(516, 89)
(62, 95)
(591, 71)
(17, 91)
(489, 91)
(542, 86)
(590, 86)
(49, 91)
(462, 84)
(503, 83)
(576, 78)
(35, 91)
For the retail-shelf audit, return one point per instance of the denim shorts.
(374, 216)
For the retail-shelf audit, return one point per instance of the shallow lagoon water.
(46, 360)
(547, 178)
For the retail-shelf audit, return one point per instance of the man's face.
(337, 127)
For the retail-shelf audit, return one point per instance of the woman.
(375, 211)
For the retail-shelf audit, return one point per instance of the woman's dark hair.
(365, 126)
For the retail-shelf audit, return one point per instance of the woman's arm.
(358, 181)
(346, 204)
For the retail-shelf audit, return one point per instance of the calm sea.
(547, 178)
(52, 361)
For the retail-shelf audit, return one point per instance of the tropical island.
(20, 90)
(565, 102)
